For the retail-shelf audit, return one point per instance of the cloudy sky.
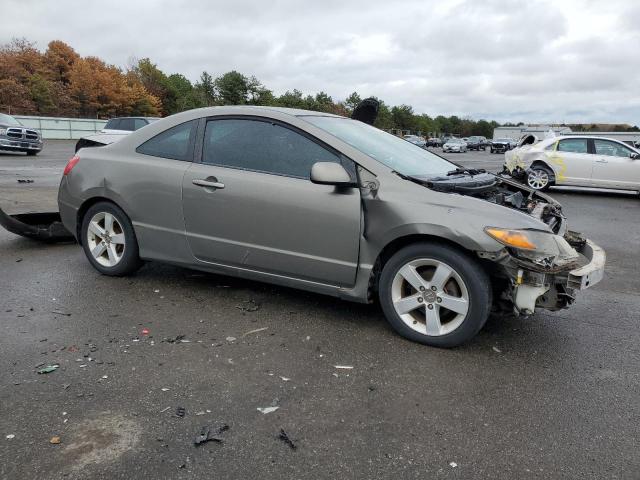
(509, 60)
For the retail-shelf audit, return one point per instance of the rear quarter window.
(176, 143)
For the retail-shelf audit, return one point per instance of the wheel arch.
(401, 242)
(544, 164)
(86, 205)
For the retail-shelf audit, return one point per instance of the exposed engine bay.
(501, 191)
(525, 280)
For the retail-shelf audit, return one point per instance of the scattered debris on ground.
(249, 306)
(164, 410)
(10, 436)
(285, 379)
(206, 436)
(145, 331)
(255, 331)
(180, 412)
(266, 410)
(344, 367)
(176, 339)
(230, 339)
(55, 440)
(49, 368)
(496, 349)
(285, 438)
(25, 180)
(453, 464)
(58, 312)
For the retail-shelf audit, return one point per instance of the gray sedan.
(331, 205)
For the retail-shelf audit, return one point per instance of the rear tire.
(109, 241)
(435, 295)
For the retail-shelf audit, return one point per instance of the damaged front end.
(536, 268)
(44, 226)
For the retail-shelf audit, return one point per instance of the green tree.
(402, 117)
(206, 90)
(232, 88)
(352, 102)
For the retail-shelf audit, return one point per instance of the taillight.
(70, 164)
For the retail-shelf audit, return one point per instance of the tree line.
(60, 82)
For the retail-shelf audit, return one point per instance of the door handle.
(602, 160)
(208, 183)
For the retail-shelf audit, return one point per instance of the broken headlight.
(542, 248)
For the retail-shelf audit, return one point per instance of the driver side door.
(249, 204)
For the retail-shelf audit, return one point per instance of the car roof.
(295, 112)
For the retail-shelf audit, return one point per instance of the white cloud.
(509, 60)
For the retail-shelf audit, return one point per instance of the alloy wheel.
(105, 239)
(430, 297)
(537, 179)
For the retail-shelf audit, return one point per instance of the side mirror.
(330, 173)
(635, 156)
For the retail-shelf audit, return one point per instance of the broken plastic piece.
(49, 369)
(344, 367)
(55, 440)
(205, 435)
(180, 412)
(45, 226)
(249, 306)
(285, 438)
(266, 410)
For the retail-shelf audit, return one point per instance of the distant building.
(540, 131)
(515, 133)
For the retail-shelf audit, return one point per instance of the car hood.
(500, 191)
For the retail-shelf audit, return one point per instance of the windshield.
(503, 140)
(391, 151)
(455, 140)
(8, 120)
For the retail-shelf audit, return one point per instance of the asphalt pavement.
(556, 395)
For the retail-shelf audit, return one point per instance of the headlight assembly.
(534, 245)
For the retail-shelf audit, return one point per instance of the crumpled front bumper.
(534, 288)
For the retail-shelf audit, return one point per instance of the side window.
(263, 147)
(175, 143)
(574, 145)
(612, 149)
(139, 123)
(127, 124)
(113, 124)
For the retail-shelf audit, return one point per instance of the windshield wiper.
(468, 171)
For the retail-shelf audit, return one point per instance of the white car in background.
(583, 161)
(115, 129)
(455, 145)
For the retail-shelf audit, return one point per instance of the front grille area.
(14, 132)
(22, 134)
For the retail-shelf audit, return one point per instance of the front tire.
(109, 241)
(539, 177)
(435, 295)
(32, 153)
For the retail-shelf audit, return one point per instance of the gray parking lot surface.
(551, 396)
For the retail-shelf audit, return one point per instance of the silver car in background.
(331, 205)
(583, 161)
(455, 145)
